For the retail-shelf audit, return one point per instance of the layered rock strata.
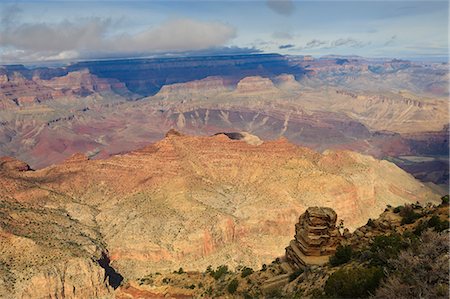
(316, 238)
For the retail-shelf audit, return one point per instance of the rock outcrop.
(316, 238)
(255, 84)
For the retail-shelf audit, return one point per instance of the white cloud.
(90, 37)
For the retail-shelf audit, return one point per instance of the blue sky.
(53, 30)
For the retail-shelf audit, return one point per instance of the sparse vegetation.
(343, 255)
(408, 215)
(219, 272)
(420, 271)
(295, 274)
(180, 271)
(384, 248)
(246, 271)
(356, 282)
(232, 286)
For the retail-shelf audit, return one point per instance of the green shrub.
(438, 224)
(445, 200)
(343, 255)
(295, 274)
(232, 286)
(384, 248)
(180, 271)
(246, 271)
(219, 272)
(408, 215)
(353, 283)
(398, 209)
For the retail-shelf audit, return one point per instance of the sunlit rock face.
(185, 201)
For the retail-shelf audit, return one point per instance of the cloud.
(283, 7)
(391, 40)
(341, 42)
(282, 35)
(286, 46)
(90, 37)
(315, 43)
(347, 42)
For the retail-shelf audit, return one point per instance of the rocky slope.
(391, 256)
(182, 202)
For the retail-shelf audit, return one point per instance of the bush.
(232, 286)
(445, 200)
(398, 209)
(343, 255)
(295, 274)
(438, 224)
(421, 271)
(220, 271)
(408, 215)
(180, 271)
(354, 282)
(384, 248)
(246, 271)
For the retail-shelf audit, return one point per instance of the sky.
(33, 31)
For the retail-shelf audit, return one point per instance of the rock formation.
(185, 201)
(380, 109)
(316, 238)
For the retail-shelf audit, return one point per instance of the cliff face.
(182, 202)
(380, 108)
(18, 91)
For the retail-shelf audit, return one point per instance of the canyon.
(83, 226)
(390, 109)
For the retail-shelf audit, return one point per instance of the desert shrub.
(295, 274)
(180, 271)
(370, 223)
(420, 227)
(343, 255)
(445, 200)
(246, 271)
(434, 223)
(421, 271)
(354, 282)
(384, 248)
(264, 267)
(438, 224)
(408, 215)
(398, 209)
(232, 286)
(219, 272)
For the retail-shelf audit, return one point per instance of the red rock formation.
(316, 238)
(190, 201)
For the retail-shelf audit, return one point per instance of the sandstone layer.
(316, 238)
(182, 202)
